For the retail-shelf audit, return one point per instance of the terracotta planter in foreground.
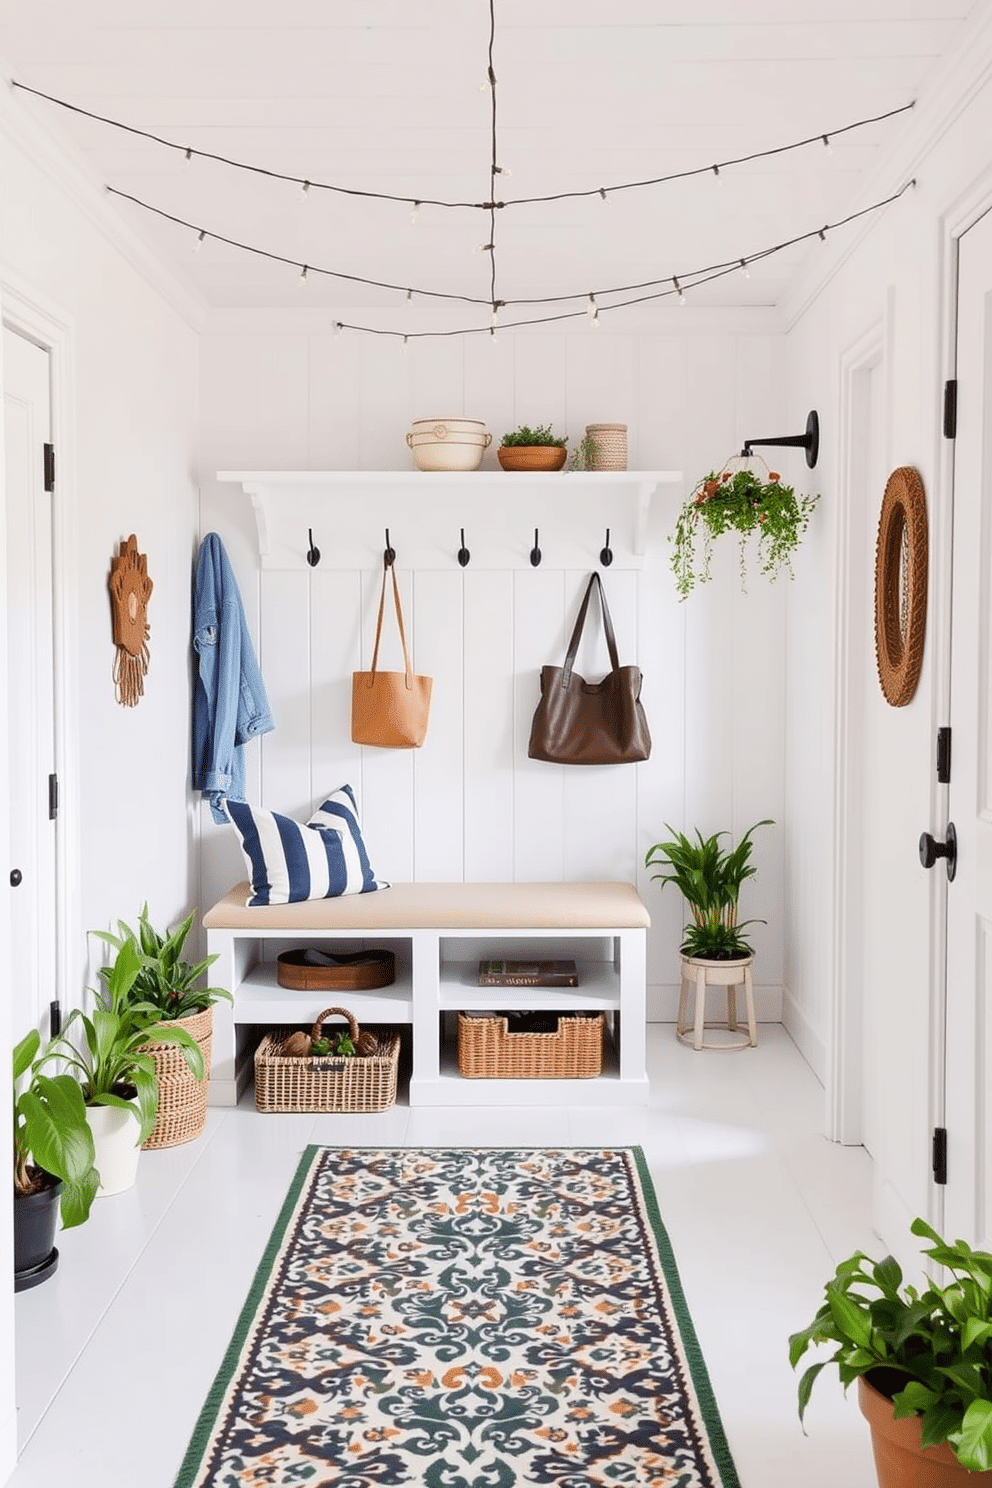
(900, 1460)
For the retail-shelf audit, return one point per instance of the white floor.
(116, 1353)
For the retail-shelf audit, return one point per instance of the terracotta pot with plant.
(532, 449)
(738, 501)
(165, 990)
(922, 1360)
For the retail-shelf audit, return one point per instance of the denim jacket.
(229, 702)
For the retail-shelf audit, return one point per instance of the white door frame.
(43, 324)
(845, 1047)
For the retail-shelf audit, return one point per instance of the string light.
(744, 269)
(591, 310)
(489, 82)
(409, 295)
(305, 190)
(494, 317)
(822, 234)
(199, 241)
(719, 178)
(826, 143)
(414, 213)
(678, 290)
(301, 283)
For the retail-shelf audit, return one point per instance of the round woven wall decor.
(901, 585)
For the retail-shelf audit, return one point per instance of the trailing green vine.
(738, 502)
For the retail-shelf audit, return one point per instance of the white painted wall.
(690, 387)
(128, 404)
(894, 287)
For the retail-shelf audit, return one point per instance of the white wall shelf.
(288, 503)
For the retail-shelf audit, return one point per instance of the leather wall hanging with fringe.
(130, 589)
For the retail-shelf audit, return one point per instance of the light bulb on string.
(301, 283)
(409, 296)
(414, 213)
(678, 290)
(744, 269)
(717, 175)
(602, 192)
(494, 317)
(189, 152)
(305, 190)
(201, 235)
(826, 144)
(406, 343)
(485, 248)
(592, 310)
(822, 234)
(503, 170)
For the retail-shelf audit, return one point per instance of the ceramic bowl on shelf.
(448, 443)
(531, 456)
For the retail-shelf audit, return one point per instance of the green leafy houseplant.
(51, 1134)
(165, 983)
(709, 878)
(930, 1352)
(525, 436)
(105, 1049)
(743, 503)
(584, 454)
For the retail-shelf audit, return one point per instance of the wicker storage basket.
(488, 1051)
(182, 1099)
(326, 1083)
(611, 446)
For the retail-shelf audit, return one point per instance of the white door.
(968, 1101)
(31, 871)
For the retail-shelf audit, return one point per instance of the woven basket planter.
(182, 1099)
(488, 1051)
(327, 1082)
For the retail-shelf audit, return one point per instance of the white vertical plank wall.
(470, 804)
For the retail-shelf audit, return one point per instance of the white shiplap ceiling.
(390, 96)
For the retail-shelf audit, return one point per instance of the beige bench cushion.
(455, 906)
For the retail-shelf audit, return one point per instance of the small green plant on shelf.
(584, 454)
(738, 501)
(524, 435)
(710, 878)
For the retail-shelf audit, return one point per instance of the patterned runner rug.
(464, 1318)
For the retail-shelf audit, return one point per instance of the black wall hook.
(606, 554)
(535, 552)
(463, 553)
(810, 441)
(313, 554)
(389, 556)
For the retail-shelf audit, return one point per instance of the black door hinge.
(951, 408)
(54, 1019)
(943, 756)
(49, 467)
(53, 797)
(940, 1154)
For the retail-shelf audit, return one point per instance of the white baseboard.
(663, 1003)
(805, 1037)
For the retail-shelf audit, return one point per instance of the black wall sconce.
(810, 441)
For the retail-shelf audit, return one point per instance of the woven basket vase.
(182, 1099)
(611, 446)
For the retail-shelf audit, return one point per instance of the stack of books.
(497, 973)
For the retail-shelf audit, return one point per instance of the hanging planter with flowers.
(738, 500)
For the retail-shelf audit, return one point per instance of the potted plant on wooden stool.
(922, 1360)
(165, 991)
(715, 950)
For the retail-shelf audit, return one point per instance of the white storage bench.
(438, 933)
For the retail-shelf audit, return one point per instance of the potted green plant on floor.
(742, 502)
(108, 1053)
(525, 448)
(922, 1360)
(54, 1162)
(167, 990)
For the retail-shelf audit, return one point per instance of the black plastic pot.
(35, 1218)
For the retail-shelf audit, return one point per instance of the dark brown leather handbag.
(590, 723)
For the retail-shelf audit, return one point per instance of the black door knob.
(15, 877)
(931, 850)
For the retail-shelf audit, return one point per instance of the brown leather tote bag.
(590, 723)
(390, 709)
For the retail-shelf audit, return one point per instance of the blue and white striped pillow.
(289, 861)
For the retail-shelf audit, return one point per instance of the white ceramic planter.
(448, 444)
(115, 1136)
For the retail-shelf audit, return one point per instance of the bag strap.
(573, 645)
(391, 569)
